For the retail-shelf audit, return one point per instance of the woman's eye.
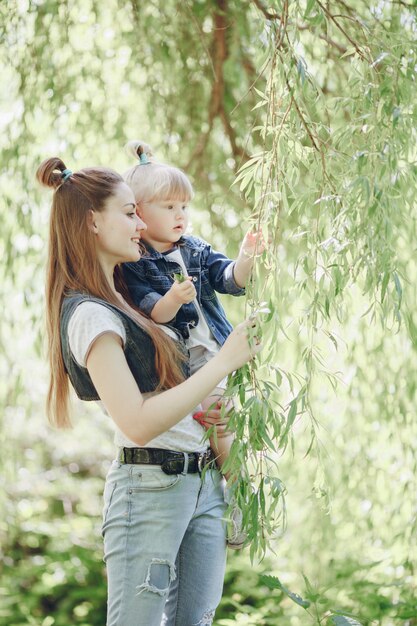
(132, 213)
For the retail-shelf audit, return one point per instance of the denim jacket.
(152, 276)
(139, 350)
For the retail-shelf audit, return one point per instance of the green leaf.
(274, 583)
(332, 338)
(342, 620)
(301, 70)
(398, 289)
(380, 58)
(260, 94)
(312, 594)
(309, 8)
(292, 413)
(278, 376)
(327, 306)
(349, 51)
(384, 285)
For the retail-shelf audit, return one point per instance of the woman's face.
(118, 227)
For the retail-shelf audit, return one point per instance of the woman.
(164, 536)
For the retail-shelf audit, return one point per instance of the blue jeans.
(164, 546)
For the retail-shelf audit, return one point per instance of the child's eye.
(170, 206)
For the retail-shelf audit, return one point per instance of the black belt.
(171, 461)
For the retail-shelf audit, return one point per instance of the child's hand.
(253, 244)
(213, 417)
(183, 292)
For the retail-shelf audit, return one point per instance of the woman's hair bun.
(49, 173)
(136, 147)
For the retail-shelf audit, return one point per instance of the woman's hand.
(241, 345)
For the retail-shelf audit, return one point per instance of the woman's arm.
(143, 420)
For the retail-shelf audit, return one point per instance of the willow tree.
(334, 187)
(299, 118)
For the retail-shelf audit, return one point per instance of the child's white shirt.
(200, 334)
(201, 343)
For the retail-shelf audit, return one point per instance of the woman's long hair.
(73, 265)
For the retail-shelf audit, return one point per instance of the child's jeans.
(164, 535)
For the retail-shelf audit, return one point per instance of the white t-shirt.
(87, 323)
(201, 342)
(200, 335)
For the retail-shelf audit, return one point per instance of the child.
(176, 280)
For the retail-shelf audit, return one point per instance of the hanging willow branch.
(335, 201)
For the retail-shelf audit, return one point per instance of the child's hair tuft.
(137, 147)
(152, 180)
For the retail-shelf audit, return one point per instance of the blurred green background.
(207, 84)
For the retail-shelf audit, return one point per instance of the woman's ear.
(91, 221)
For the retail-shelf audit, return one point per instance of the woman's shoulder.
(93, 309)
(72, 298)
(95, 315)
(88, 321)
(85, 310)
(89, 305)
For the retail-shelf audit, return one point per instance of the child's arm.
(226, 275)
(161, 308)
(166, 308)
(253, 245)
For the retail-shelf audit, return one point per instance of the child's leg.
(220, 444)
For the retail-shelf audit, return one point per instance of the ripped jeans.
(164, 546)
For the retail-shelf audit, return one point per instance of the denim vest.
(152, 276)
(139, 350)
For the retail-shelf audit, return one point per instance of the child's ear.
(91, 221)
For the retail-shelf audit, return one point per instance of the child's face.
(166, 221)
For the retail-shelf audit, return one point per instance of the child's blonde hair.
(151, 180)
